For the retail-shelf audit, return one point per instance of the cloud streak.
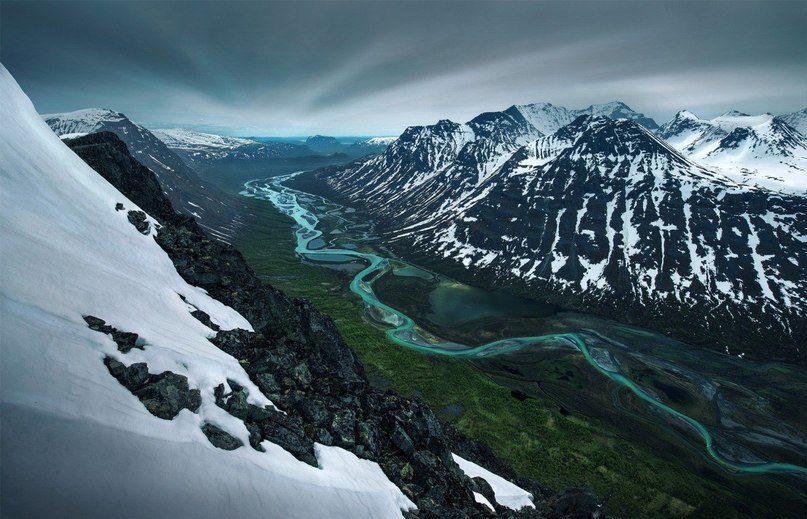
(297, 68)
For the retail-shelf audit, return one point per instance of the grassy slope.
(532, 435)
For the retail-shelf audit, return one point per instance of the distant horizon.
(228, 132)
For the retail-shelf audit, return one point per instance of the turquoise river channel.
(402, 329)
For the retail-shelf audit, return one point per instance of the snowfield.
(75, 442)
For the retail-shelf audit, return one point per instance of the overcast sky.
(373, 68)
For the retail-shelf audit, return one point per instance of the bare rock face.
(163, 394)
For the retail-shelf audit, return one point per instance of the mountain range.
(760, 150)
(231, 161)
(700, 235)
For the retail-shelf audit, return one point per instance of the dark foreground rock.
(297, 357)
(163, 394)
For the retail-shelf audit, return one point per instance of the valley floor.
(537, 435)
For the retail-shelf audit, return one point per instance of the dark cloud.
(375, 67)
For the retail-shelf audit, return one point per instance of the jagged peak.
(686, 114)
(734, 113)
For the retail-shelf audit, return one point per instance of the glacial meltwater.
(739, 418)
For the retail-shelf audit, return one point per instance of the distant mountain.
(601, 215)
(759, 150)
(218, 157)
(376, 141)
(323, 144)
(371, 145)
(186, 190)
(548, 118)
(206, 147)
(797, 120)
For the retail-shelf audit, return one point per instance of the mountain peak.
(686, 114)
(735, 113)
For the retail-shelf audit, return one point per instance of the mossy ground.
(533, 435)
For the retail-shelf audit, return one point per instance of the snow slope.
(75, 442)
(797, 120)
(507, 494)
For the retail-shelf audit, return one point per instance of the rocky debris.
(220, 438)
(125, 340)
(119, 206)
(163, 394)
(138, 219)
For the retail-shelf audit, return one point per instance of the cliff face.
(298, 359)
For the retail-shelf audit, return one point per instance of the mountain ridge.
(187, 191)
(604, 216)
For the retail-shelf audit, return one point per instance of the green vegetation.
(533, 435)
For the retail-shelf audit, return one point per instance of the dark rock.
(519, 395)
(301, 374)
(402, 440)
(574, 503)
(138, 219)
(167, 394)
(220, 438)
(267, 384)
(132, 377)
(343, 427)
(164, 394)
(203, 318)
(124, 340)
(119, 206)
(237, 404)
(483, 487)
(288, 432)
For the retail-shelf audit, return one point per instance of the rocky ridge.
(600, 216)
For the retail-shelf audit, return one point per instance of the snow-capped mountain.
(438, 165)
(797, 120)
(188, 193)
(376, 142)
(601, 215)
(133, 384)
(209, 147)
(548, 118)
(759, 150)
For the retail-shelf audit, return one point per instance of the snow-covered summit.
(759, 150)
(180, 138)
(88, 120)
(548, 118)
(377, 141)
